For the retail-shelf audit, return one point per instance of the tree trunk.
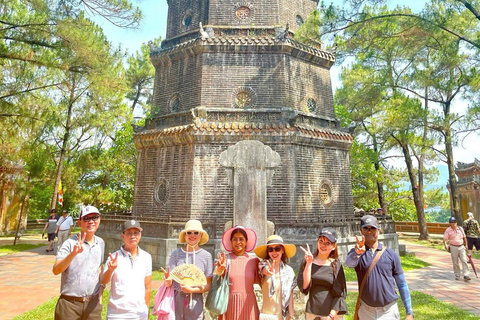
(452, 180)
(381, 194)
(63, 151)
(417, 196)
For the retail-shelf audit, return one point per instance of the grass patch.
(434, 243)
(425, 307)
(409, 262)
(46, 311)
(10, 248)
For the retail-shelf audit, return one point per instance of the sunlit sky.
(154, 25)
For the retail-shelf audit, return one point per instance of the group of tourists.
(57, 227)
(460, 242)
(321, 275)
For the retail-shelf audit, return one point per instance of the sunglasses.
(90, 218)
(369, 228)
(277, 249)
(192, 232)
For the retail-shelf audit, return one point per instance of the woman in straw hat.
(278, 279)
(242, 273)
(193, 236)
(321, 276)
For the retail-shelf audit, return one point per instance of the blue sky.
(154, 25)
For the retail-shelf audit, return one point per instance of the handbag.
(164, 305)
(369, 270)
(217, 299)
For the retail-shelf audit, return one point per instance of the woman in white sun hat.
(193, 236)
(278, 278)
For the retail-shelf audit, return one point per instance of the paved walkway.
(26, 280)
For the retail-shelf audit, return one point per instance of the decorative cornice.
(266, 41)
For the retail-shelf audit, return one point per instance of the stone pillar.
(249, 166)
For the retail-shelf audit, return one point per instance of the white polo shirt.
(127, 295)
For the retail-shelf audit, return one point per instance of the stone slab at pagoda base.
(160, 238)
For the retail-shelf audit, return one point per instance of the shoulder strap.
(378, 254)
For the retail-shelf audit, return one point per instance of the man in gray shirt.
(79, 261)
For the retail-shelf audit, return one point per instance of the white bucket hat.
(193, 225)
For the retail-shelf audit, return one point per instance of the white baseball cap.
(88, 210)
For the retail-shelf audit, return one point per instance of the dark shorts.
(77, 310)
(473, 242)
(51, 236)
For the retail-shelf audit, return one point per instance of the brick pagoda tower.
(228, 72)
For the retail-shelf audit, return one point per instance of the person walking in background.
(472, 231)
(242, 273)
(51, 226)
(193, 236)
(64, 227)
(79, 261)
(277, 278)
(321, 276)
(378, 299)
(130, 271)
(454, 241)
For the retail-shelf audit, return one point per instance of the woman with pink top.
(242, 274)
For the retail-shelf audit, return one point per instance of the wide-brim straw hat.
(261, 251)
(251, 241)
(193, 225)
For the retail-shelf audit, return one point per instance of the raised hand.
(221, 263)
(166, 273)
(308, 254)
(360, 245)
(112, 263)
(78, 247)
(269, 270)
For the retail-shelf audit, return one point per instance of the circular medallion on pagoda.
(160, 191)
(243, 12)
(243, 97)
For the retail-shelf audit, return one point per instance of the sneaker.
(467, 278)
(457, 278)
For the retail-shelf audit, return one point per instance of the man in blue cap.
(454, 241)
(378, 297)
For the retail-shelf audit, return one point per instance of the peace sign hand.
(166, 273)
(78, 247)
(360, 245)
(308, 254)
(112, 264)
(221, 263)
(269, 270)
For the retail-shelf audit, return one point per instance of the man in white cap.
(454, 241)
(79, 261)
(130, 270)
(64, 228)
(472, 231)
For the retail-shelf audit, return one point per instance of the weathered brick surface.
(212, 80)
(223, 13)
